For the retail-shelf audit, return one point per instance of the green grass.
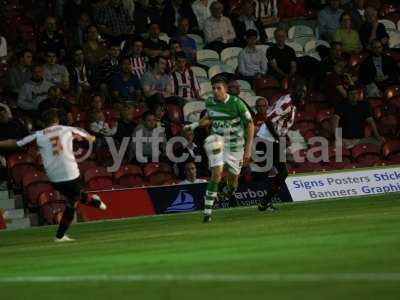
(359, 237)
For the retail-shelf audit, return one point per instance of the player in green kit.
(229, 143)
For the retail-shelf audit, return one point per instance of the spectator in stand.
(153, 46)
(93, 49)
(55, 101)
(21, 73)
(80, 73)
(79, 32)
(350, 116)
(138, 60)
(142, 149)
(190, 171)
(291, 9)
(125, 85)
(157, 81)
(33, 92)
(234, 87)
(335, 55)
(281, 58)
(114, 20)
(261, 112)
(109, 66)
(187, 43)
(185, 83)
(125, 125)
(144, 15)
(99, 126)
(51, 39)
(349, 38)
(337, 83)
(201, 9)
(266, 11)
(373, 30)
(247, 21)
(174, 47)
(358, 14)
(329, 20)
(96, 103)
(218, 29)
(55, 73)
(3, 49)
(378, 71)
(173, 12)
(252, 61)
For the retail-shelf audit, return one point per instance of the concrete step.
(14, 214)
(19, 224)
(7, 203)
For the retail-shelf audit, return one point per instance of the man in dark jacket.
(173, 12)
(247, 21)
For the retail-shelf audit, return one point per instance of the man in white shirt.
(218, 30)
(55, 144)
(201, 9)
(191, 174)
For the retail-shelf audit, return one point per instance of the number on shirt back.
(57, 146)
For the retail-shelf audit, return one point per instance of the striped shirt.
(268, 8)
(185, 84)
(282, 114)
(138, 65)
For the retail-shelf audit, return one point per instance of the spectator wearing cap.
(55, 73)
(21, 73)
(187, 43)
(125, 85)
(154, 46)
(350, 116)
(93, 49)
(373, 30)
(51, 39)
(185, 83)
(218, 29)
(247, 21)
(329, 20)
(348, 36)
(281, 58)
(190, 172)
(173, 12)
(252, 61)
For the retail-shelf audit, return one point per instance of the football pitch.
(338, 249)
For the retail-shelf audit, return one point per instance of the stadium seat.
(394, 40)
(388, 125)
(391, 151)
(200, 73)
(250, 99)
(98, 179)
(267, 87)
(310, 46)
(49, 196)
(153, 168)
(334, 166)
(301, 34)
(375, 102)
(192, 110)
(304, 126)
(245, 87)
(220, 68)
(35, 184)
(129, 176)
(51, 212)
(161, 179)
(345, 156)
(263, 48)
(307, 167)
(298, 48)
(366, 154)
(304, 116)
(86, 165)
(270, 32)
(19, 165)
(205, 90)
(207, 57)
(174, 113)
(389, 25)
(230, 54)
(198, 39)
(110, 114)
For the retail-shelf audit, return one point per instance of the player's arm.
(249, 141)
(83, 134)
(8, 144)
(203, 122)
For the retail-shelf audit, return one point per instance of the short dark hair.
(219, 79)
(147, 114)
(50, 116)
(180, 54)
(251, 33)
(21, 54)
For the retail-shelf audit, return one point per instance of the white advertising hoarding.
(344, 184)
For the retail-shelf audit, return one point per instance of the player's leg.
(277, 182)
(92, 200)
(233, 161)
(212, 191)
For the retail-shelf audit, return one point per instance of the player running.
(280, 118)
(55, 144)
(230, 142)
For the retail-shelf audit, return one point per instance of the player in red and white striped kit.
(280, 118)
(55, 144)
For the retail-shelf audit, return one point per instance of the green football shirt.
(229, 120)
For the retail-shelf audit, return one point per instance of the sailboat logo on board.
(183, 202)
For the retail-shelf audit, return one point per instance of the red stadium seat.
(366, 154)
(324, 119)
(161, 179)
(346, 155)
(110, 115)
(152, 168)
(19, 165)
(49, 196)
(304, 116)
(375, 102)
(174, 113)
(34, 184)
(304, 126)
(308, 167)
(86, 165)
(129, 176)
(267, 87)
(333, 166)
(391, 151)
(388, 125)
(51, 210)
(98, 179)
